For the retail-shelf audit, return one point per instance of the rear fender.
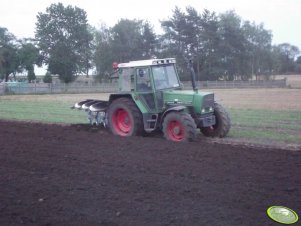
(133, 97)
(117, 96)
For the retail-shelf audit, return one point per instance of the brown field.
(273, 99)
(276, 99)
(54, 175)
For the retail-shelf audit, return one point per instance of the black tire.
(179, 127)
(124, 118)
(222, 126)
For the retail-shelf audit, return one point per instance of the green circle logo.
(282, 214)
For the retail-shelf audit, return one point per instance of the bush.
(31, 76)
(47, 78)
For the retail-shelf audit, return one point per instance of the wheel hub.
(176, 130)
(126, 120)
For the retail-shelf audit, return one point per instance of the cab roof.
(150, 62)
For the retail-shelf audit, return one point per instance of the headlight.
(207, 109)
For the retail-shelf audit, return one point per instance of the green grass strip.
(264, 135)
(266, 118)
(40, 111)
(283, 125)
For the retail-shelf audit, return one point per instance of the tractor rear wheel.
(124, 118)
(222, 126)
(179, 126)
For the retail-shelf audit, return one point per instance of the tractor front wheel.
(179, 126)
(222, 125)
(124, 118)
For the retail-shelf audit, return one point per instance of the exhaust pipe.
(192, 74)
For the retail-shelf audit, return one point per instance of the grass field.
(258, 115)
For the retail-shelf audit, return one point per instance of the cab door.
(144, 87)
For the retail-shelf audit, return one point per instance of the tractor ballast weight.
(150, 98)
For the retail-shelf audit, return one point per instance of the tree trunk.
(6, 77)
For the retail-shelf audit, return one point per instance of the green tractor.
(151, 98)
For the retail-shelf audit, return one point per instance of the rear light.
(115, 65)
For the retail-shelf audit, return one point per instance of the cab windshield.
(165, 77)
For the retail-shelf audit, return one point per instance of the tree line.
(223, 47)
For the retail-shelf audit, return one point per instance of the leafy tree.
(231, 46)
(190, 34)
(9, 60)
(223, 47)
(127, 40)
(103, 55)
(209, 54)
(298, 68)
(298, 65)
(29, 56)
(298, 61)
(258, 49)
(284, 57)
(149, 40)
(174, 41)
(132, 39)
(64, 40)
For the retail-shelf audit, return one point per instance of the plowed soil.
(77, 175)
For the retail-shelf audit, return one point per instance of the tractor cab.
(148, 75)
(148, 79)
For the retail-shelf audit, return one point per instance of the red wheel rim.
(175, 131)
(122, 122)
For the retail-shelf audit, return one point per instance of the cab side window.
(127, 80)
(143, 80)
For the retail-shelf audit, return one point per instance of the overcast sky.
(283, 17)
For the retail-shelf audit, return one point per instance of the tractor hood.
(202, 102)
